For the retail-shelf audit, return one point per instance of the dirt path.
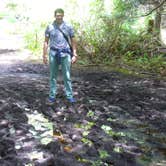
(118, 120)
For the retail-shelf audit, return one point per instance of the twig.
(147, 14)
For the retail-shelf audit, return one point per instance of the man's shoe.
(51, 101)
(71, 100)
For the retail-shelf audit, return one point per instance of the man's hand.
(73, 43)
(45, 61)
(45, 47)
(74, 58)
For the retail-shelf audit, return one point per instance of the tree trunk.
(157, 21)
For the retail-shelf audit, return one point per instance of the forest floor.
(118, 120)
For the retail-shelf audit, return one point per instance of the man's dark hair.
(59, 10)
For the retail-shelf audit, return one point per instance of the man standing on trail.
(59, 38)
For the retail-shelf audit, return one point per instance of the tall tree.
(157, 7)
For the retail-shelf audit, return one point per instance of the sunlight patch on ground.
(8, 40)
(11, 45)
(9, 59)
(43, 129)
(35, 155)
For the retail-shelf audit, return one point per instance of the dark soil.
(118, 120)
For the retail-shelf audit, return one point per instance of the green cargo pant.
(54, 67)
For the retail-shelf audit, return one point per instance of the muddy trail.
(118, 120)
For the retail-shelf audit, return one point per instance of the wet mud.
(118, 120)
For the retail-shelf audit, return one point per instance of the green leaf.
(86, 141)
(103, 154)
(118, 149)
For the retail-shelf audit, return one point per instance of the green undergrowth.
(138, 66)
(143, 65)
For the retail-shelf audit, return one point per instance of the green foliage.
(109, 131)
(90, 113)
(118, 149)
(86, 141)
(104, 36)
(118, 34)
(34, 38)
(108, 35)
(103, 154)
(99, 163)
(33, 42)
(12, 6)
(85, 126)
(2, 15)
(155, 64)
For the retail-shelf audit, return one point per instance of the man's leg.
(53, 76)
(66, 65)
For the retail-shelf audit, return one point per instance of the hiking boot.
(71, 100)
(50, 101)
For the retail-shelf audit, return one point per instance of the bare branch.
(158, 6)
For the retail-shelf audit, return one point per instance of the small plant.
(33, 41)
(90, 114)
(103, 154)
(85, 126)
(99, 163)
(111, 120)
(12, 6)
(86, 141)
(110, 132)
(118, 149)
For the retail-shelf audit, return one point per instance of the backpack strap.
(67, 39)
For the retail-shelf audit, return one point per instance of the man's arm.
(45, 48)
(74, 46)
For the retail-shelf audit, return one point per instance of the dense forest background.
(124, 34)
